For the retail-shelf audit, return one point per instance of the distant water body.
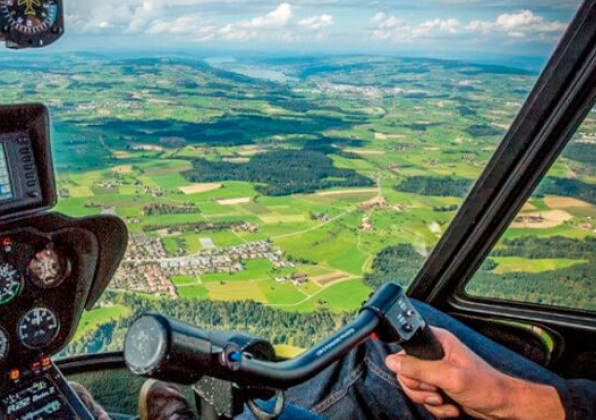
(230, 64)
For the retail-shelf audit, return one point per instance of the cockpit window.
(275, 162)
(548, 254)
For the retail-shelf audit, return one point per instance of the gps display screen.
(39, 399)
(6, 192)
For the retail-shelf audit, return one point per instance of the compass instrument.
(31, 23)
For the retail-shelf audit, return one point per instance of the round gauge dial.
(38, 328)
(48, 269)
(11, 282)
(29, 16)
(3, 345)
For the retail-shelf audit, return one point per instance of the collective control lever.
(166, 349)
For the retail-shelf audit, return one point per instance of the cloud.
(385, 27)
(523, 24)
(193, 27)
(260, 26)
(317, 23)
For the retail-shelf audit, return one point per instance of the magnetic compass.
(29, 16)
(31, 23)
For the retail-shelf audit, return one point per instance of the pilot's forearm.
(530, 401)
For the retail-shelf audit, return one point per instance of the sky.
(426, 27)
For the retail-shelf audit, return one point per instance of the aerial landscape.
(273, 194)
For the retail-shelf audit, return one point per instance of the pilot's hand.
(479, 389)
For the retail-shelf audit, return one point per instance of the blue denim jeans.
(360, 387)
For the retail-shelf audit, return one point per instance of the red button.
(15, 375)
(7, 242)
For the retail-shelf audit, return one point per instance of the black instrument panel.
(44, 283)
(41, 393)
(27, 184)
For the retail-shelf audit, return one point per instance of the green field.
(517, 264)
(362, 155)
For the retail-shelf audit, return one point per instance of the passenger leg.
(360, 387)
(89, 402)
(164, 401)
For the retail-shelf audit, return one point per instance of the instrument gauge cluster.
(36, 294)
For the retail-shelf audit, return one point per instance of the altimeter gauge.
(38, 328)
(11, 283)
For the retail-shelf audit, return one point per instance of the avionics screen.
(6, 192)
(39, 399)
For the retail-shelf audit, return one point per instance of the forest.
(437, 186)
(569, 188)
(543, 287)
(280, 172)
(396, 264)
(280, 327)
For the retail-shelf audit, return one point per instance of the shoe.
(163, 401)
(87, 399)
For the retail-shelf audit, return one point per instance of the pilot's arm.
(485, 393)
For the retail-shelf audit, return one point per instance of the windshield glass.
(275, 162)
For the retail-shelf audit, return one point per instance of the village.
(146, 267)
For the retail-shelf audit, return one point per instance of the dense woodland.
(280, 327)
(280, 172)
(396, 264)
(543, 287)
(437, 186)
(569, 188)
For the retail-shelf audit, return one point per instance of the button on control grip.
(424, 345)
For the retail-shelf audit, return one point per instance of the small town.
(147, 268)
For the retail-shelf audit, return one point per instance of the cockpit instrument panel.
(26, 176)
(31, 23)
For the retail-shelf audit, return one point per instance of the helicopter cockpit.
(55, 267)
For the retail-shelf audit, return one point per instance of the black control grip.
(424, 345)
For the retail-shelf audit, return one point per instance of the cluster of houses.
(147, 269)
(297, 279)
(142, 248)
(530, 219)
(224, 260)
(144, 278)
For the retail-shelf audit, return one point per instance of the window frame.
(561, 99)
